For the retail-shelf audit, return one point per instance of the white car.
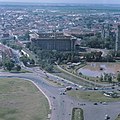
(107, 117)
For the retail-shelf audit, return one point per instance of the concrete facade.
(54, 41)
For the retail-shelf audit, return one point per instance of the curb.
(50, 106)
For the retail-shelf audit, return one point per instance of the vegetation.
(30, 53)
(46, 59)
(16, 47)
(91, 96)
(18, 67)
(118, 118)
(77, 114)
(98, 42)
(11, 66)
(118, 77)
(8, 64)
(73, 78)
(27, 61)
(21, 100)
(107, 77)
(97, 57)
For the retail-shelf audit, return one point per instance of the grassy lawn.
(15, 71)
(21, 100)
(91, 96)
(69, 77)
(77, 114)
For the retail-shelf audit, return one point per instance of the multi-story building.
(53, 41)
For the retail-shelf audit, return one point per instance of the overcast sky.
(67, 1)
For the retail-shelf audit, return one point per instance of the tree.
(4, 42)
(109, 78)
(32, 62)
(101, 78)
(18, 67)
(49, 68)
(8, 65)
(118, 77)
(24, 59)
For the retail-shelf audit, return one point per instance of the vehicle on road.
(95, 103)
(107, 117)
(62, 93)
(104, 103)
(68, 88)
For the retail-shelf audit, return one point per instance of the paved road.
(62, 105)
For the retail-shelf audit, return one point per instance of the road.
(62, 105)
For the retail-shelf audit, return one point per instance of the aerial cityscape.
(60, 61)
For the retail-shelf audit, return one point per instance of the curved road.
(62, 105)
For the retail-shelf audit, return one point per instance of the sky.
(68, 1)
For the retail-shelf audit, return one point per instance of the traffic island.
(77, 114)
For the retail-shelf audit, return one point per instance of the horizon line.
(59, 3)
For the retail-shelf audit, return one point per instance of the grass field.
(77, 114)
(68, 76)
(15, 71)
(21, 100)
(91, 96)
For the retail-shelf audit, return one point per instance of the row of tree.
(108, 77)
(97, 57)
(98, 42)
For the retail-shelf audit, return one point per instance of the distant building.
(105, 31)
(53, 41)
(117, 43)
(6, 35)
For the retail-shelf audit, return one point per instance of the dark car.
(95, 104)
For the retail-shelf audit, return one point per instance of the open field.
(94, 69)
(77, 114)
(91, 96)
(21, 100)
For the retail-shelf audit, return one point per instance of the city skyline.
(68, 1)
